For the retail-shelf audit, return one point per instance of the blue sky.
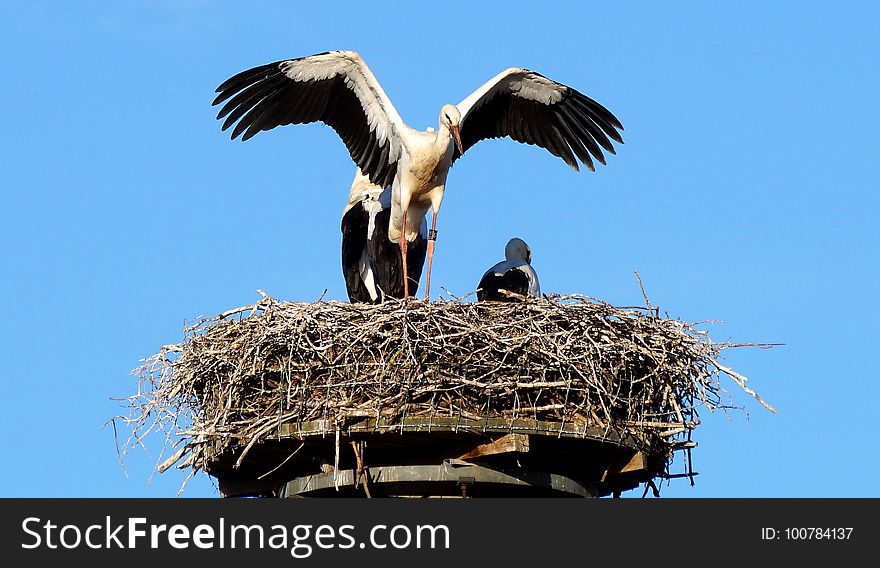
(745, 193)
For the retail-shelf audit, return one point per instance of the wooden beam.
(636, 462)
(504, 444)
(442, 479)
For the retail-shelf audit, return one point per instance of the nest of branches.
(566, 359)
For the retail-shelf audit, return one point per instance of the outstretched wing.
(336, 88)
(530, 108)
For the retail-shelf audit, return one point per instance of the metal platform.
(452, 478)
(437, 457)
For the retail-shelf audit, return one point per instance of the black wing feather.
(354, 239)
(513, 280)
(587, 133)
(573, 138)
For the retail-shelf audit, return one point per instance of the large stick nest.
(567, 359)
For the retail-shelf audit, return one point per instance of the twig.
(644, 294)
(279, 466)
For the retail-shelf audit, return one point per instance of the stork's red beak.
(456, 133)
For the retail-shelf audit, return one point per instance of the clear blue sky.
(746, 193)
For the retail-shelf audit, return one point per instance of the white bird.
(338, 89)
(514, 274)
(371, 263)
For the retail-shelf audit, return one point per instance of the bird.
(513, 274)
(339, 89)
(371, 263)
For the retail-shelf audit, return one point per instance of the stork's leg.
(403, 252)
(432, 237)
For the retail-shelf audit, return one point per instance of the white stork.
(514, 274)
(371, 263)
(338, 89)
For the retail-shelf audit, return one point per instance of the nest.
(566, 359)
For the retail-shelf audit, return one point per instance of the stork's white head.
(450, 119)
(518, 250)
